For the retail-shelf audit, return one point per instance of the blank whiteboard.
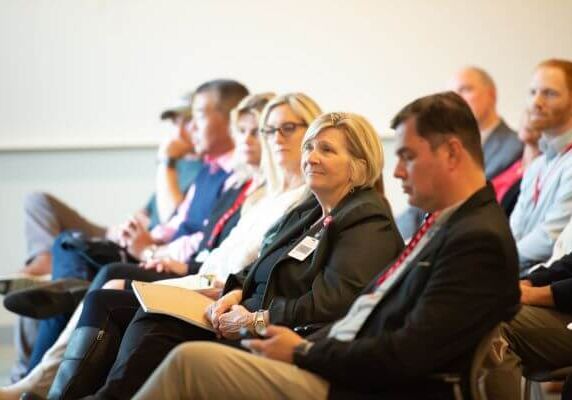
(97, 73)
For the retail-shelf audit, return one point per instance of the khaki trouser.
(538, 341)
(204, 370)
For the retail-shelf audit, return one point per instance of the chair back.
(488, 355)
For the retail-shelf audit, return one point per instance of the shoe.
(12, 282)
(48, 299)
(86, 362)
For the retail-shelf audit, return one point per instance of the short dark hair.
(440, 115)
(229, 93)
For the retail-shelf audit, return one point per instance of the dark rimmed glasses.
(286, 129)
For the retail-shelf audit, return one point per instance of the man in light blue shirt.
(545, 203)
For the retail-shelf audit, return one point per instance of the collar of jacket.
(349, 211)
(482, 196)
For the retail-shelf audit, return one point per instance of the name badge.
(304, 248)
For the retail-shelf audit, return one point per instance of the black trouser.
(147, 339)
(110, 312)
(127, 271)
(51, 328)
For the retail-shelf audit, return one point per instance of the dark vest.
(208, 187)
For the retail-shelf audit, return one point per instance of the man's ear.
(454, 151)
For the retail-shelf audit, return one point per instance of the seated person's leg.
(25, 334)
(540, 338)
(115, 284)
(146, 342)
(48, 332)
(45, 218)
(93, 345)
(202, 370)
(40, 379)
(49, 329)
(67, 264)
(127, 271)
(538, 341)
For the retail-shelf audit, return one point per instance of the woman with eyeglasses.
(315, 260)
(275, 188)
(280, 186)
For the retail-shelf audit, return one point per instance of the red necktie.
(410, 246)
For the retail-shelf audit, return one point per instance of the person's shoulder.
(363, 204)
(483, 239)
(485, 231)
(505, 131)
(507, 137)
(480, 215)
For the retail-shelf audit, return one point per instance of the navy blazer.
(460, 286)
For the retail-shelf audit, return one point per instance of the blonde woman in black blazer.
(318, 258)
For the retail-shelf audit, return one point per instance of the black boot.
(87, 360)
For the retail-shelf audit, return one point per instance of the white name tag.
(304, 248)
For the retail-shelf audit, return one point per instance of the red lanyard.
(228, 214)
(538, 185)
(410, 246)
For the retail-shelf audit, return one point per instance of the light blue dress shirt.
(537, 224)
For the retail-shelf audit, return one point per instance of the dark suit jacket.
(321, 288)
(501, 149)
(463, 283)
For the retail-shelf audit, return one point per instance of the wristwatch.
(169, 162)
(149, 252)
(303, 348)
(259, 323)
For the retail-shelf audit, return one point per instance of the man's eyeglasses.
(286, 129)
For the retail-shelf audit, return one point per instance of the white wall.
(105, 186)
(92, 72)
(89, 73)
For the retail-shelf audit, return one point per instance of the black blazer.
(222, 205)
(321, 288)
(462, 284)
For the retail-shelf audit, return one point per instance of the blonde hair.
(363, 145)
(305, 108)
(252, 104)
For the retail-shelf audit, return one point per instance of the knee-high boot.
(87, 360)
